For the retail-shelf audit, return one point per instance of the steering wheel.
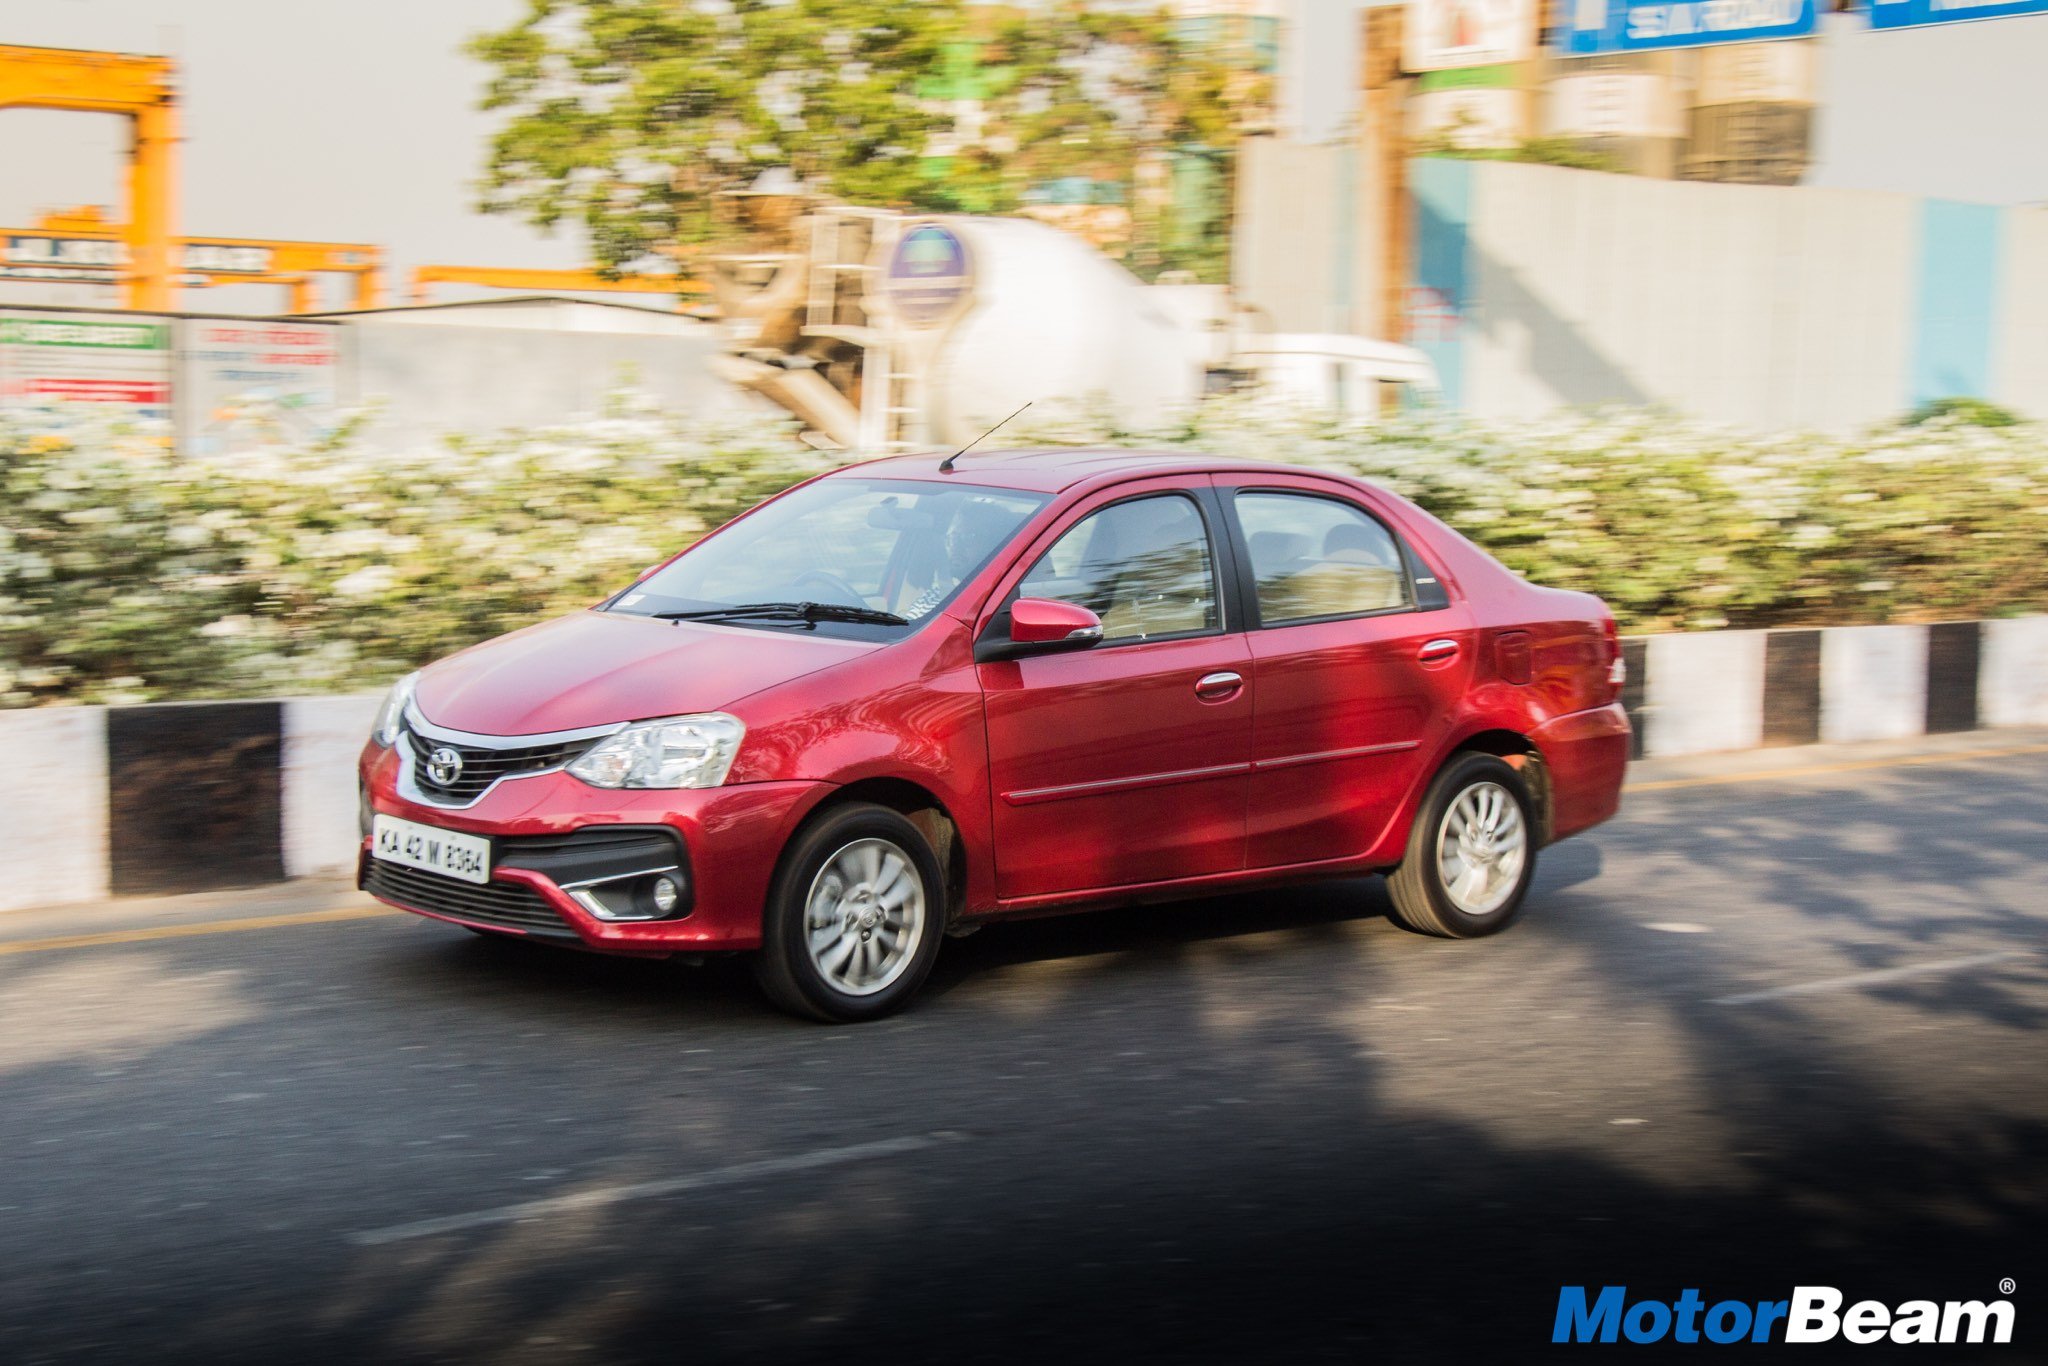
(842, 592)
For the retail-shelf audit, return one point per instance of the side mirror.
(1043, 623)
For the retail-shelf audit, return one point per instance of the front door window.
(1143, 566)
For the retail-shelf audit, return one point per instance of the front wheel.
(854, 921)
(1471, 853)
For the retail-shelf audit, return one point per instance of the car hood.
(597, 668)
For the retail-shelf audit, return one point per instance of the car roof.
(1054, 469)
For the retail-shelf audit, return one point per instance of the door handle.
(1219, 686)
(1436, 651)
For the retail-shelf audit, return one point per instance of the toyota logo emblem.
(444, 766)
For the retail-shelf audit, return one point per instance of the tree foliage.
(627, 118)
(1972, 412)
(1574, 153)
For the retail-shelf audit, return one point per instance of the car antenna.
(946, 465)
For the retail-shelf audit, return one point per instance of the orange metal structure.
(551, 281)
(203, 261)
(142, 89)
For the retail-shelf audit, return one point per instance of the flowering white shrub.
(128, 574)
(1680, 525)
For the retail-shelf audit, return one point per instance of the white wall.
(1760, 306)
(2019, 356)
(1765, 307)
(428, 382)
(1288, 234)
(542, 313)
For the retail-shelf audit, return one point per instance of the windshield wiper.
(809, 613)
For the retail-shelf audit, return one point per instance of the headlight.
(678, 751)
(385, 731)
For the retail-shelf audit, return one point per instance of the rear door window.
(1314, 557)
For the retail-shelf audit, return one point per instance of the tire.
(826, 947)
(1482, 795)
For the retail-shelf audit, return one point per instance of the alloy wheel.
(865, 916)
(1481, 846)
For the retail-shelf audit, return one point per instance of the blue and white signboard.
(1643, 25)
(1913, 13)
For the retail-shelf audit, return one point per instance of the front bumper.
(551, 829)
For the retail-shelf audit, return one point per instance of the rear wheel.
(1471, 854)
(854, 921)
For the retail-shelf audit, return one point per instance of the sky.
(358, 122)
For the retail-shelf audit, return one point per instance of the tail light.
(1617, 664)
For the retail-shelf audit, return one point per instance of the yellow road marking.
(1961, 756)
(259, 922)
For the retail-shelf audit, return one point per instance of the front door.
(1128, 762)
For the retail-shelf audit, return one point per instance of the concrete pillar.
(322, 737)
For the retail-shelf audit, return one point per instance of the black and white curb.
(178, 797)
(195, 796)
(1701, 692)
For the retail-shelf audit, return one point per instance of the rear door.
(1358, 661)
(1126, 762)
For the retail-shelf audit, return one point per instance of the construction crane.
(552, 282)
(141, 89)
(81, 246)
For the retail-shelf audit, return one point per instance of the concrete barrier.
(177, 798)
(2014, 686)
(53, 807)
(192, 796)
(322, 737)
(1704, 691)
(1873, 683)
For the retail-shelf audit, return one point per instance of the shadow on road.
(1256, 1128)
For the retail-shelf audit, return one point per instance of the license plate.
(447, 852)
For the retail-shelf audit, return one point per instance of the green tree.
(628, 117)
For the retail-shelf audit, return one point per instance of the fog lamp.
(631, 896)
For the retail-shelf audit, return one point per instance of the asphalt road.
(1754, 1034)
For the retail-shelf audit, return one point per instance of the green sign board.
(1470, 78)
(59, 332)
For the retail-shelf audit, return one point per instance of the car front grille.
(483, 766)
(507, 905)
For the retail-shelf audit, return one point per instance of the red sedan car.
(918, 694)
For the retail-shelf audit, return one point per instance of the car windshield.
(895, 546)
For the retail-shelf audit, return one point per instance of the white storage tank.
(991, 313)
